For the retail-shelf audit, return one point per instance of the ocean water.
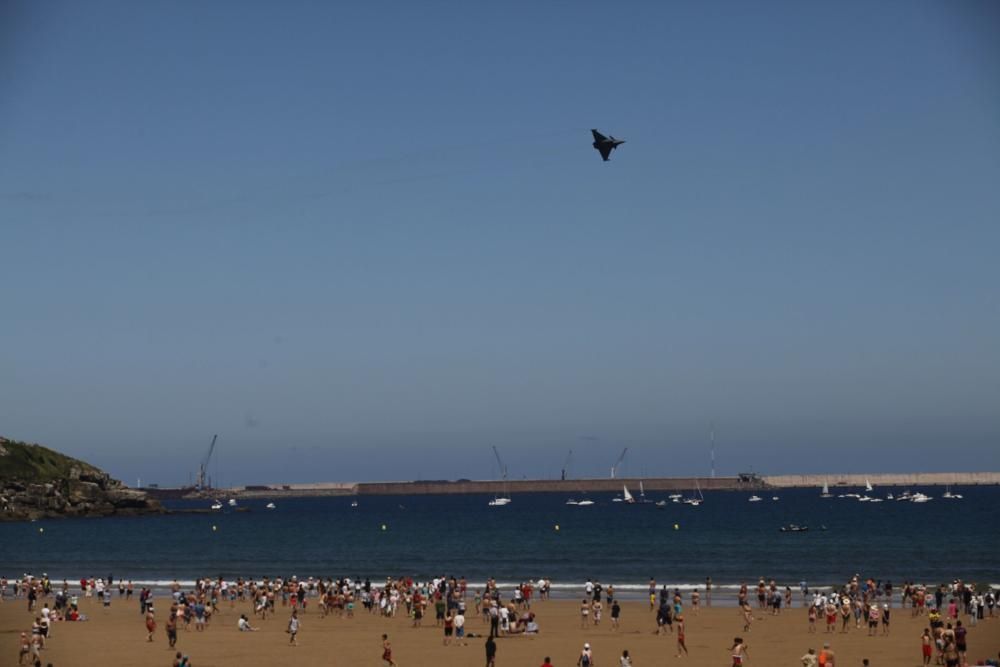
(726, 538)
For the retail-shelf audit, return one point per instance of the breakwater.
(685, 485)
(886, 479)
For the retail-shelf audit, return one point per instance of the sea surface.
(536, 535)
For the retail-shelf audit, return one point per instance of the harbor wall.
(576, 487)
(886, 479)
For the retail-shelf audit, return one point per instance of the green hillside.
(36, 464)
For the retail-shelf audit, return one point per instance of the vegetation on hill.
(37, 482)
(37, 464)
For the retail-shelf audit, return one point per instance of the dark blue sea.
(726, 538)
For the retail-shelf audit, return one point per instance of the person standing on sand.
(586, 658)
(616, 612)
(739, 651)
(491, 651)
(810, 659)
(172, 627)
(926, 644)
(548, 662)
(625, 660)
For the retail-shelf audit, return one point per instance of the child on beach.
(293, 628)
(584, 612)
(387, 660)
(739, 651)
(812, 618)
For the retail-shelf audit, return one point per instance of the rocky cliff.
(37, 482)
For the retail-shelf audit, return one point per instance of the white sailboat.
(694, 501)
(868, 486)
(949, 495)
(504, 499)
(626, 496)
(826, 491)
(642, 495)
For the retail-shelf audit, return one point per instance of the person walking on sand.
(625, 660)
(586, 658)
(293, 628)
(491, 651)
(681, 646)
(747, 612)
(810, 659)
(738, 651)
(150, 622)
(387, 660)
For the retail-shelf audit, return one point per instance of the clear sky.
(369, 240)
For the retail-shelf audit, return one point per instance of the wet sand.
(118, 637)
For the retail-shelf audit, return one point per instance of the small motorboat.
(354, 503)
(754, 499)
(793, 528)
(585, 503)
(232, 502)
(269, 506)
(216, 505)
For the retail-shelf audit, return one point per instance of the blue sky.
(370, 240)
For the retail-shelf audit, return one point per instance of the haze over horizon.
(369, 242)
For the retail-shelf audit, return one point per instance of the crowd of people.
(859, 605)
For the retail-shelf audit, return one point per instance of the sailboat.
(826, 491)
(949, 495)
(642, 495)
(693, 501)
(626, 496)
(500, 501)
(868, 486)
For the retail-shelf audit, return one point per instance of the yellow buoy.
(677, 527)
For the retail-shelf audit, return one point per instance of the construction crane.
(202, 481)
(565, 468)
(614, 468)
(503, 468)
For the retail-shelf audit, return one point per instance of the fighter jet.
(605, 144)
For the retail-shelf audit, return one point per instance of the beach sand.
(117, 637)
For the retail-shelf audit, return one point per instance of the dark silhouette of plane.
(605, 144)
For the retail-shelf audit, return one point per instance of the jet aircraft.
(605, 145)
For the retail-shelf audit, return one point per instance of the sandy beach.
(117, 636)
